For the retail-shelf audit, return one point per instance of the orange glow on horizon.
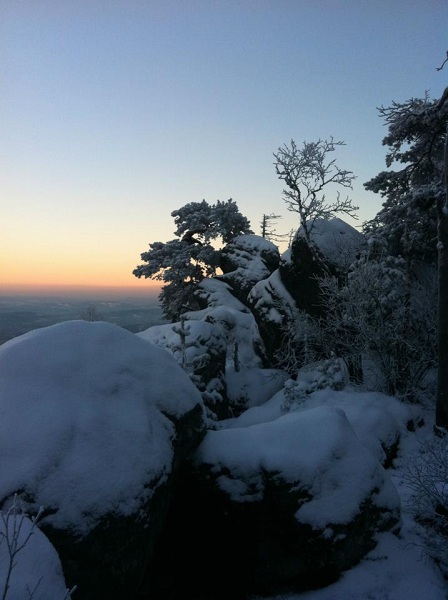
(50, 271)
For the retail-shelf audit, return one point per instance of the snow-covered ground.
(38, 398)
(398, 568)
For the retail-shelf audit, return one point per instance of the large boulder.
(283, 302)
(95, 423)
(381, 422)
(334, 246)
(275, 507)
(220, 306)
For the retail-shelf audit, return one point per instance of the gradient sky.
(116, 113)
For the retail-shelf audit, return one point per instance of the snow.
(212, 326)
(337, 240)
(37, 566)
(376, 418)
(84, 419)
(397, 568)
(287, 446)
(253, 387)
(237, 323)
(82, 403)
(200, 338)
(250, 253)
(255, 244)
(268, 290)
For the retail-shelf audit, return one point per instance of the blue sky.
(116, 113)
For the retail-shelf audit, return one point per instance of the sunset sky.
(114, 113)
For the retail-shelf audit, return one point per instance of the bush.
(427, 477)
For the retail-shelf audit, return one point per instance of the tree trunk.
(442, 377)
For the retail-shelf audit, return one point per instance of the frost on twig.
(308, 172)
(17, 528)
(15, 537)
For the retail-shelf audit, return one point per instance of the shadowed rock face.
(335, 246)
(300, 276)
(243, 534)
(112, 559)
(282, 301)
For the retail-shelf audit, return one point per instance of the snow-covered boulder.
(246, 260)
(283, 301)
(337, 241)
(280, 506)
(335, 246)
(94, 423)
(381, 422)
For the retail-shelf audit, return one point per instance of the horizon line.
(75, 289)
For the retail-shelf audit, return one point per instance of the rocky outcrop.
(200, 348)
(282, 302)
(245, 261)
(283, 493)
(274, 509)
(333, 247)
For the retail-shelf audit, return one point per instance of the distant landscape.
(20, 314)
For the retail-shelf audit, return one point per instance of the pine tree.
(416, 200)
(184, 262)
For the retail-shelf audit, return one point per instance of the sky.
(115, 113)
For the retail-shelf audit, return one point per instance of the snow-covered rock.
(253, 387)
(93, 424)
(246, 260)
(284, 505)
(200, 348)
(282, 302)
(379, 421)
(337, 241)
(236, 321)
(334, 246)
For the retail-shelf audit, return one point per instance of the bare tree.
(91, 313)
(268, 230)
(16, 530)
(307, 173)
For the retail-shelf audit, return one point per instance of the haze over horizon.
(81, 291)
(115, 113)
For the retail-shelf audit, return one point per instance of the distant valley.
(20, 314)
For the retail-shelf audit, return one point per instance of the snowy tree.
(308, 172)
(371, 316)
(415, 200)
(211, 221)
(183, 263)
